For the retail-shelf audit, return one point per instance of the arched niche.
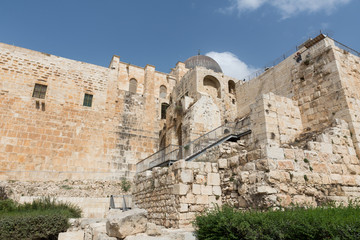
(212, 86)
(133, 85)
(231, 85)
(164, 107)
(163, 91)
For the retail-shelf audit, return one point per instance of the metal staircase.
(195, 148)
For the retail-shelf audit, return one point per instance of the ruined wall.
(59, 138)
(314, 84)
(322, 168)
(174, 195)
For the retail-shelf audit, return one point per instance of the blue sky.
(242, 35)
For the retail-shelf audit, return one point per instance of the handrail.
(190, 149)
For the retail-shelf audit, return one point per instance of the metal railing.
(173, 153)
(346, 48)
(168, 153)
(123, 200)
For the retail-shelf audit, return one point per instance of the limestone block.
(202, 199)
(285, 165)
(127, 223)
(79, 235)
(213, 179)
(289, 153)
(184, 207)
(196, 189)
(180, 189)
(179, 164)
(200, 179)
(97, 229)
(319, 167)
(262, 165)
(104, 236)
(216, 190)
(336, 178)
(186, 176)
(223, 163)
(266, 190)
(326, 148)
(206, 190)
(249, 166)
(274, 152)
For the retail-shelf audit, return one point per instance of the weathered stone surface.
(79, 235)
(127, 223)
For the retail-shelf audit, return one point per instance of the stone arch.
(231, 85)
(133, 85)
(164, 107)
(163, 91)
(212, 86)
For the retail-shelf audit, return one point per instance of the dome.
(203, 61)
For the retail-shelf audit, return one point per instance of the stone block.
(216, 190)
(274, 152)
(79, 235)
(249, 166)
(206, 190)
(186, 176)
(184, 207)
(266, 190)
(196, 189)
(223, 163)
(200, 179)
(285, 165)
(202, 199)
(213, 179)
(180, 189)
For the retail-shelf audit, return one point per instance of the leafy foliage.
(41, 219)
(328, 222)
(125, 185)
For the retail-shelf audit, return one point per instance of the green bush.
(41, 219)
(328, 222)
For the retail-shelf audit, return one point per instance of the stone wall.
(57, 137)
(319, 168)
(174, 195)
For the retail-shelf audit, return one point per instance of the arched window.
(164, 107)
(212, 86)
(133, 85)
(163, 91)
(231, 84)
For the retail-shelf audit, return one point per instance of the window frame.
(88, 99)
(39, 91)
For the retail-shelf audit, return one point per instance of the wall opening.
(163, 91)
(88, 100)
(39, 91)
(133, 85)
(212, 86)
(164, 107)
(231, 85)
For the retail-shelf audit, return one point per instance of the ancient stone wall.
(313, 171)
(57, 137)
(314, 84)
(173, 195)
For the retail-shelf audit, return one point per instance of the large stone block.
(213, 179)
(127, 223)
(180, 189)
(79, 235)
(186, 176)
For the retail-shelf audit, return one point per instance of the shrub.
(125, 185)
(327, 222)
(42, 219)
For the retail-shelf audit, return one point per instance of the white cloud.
(287, 8)
(231, 65)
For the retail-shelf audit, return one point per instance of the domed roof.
(203, 61)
